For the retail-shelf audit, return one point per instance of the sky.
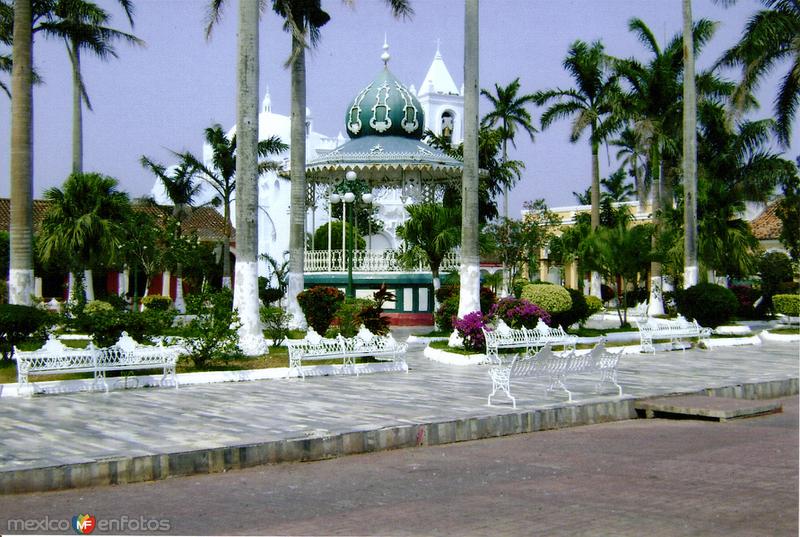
(161, 97)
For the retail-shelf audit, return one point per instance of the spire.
(438, 79)
(266, 104)
(385, 56)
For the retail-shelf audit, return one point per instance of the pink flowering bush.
(518, 312)
(469, 328)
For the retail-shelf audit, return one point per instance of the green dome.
(385, 108)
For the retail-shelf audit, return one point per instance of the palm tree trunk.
(245, 291)
(595, 287)
(226, 249)
(77, 108)
(641, 189)
(690, 268)
(655, 304)
(469, 299)
(20, 278)
(506, 279)
(297, 219)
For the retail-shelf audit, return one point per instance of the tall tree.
(181, 190)
(769, 38)
(630, 153)
(84, 27)
(84, 223)
(221, 176)
(510, 112)
(690, 269)
(304, 20)
(591, 102)
(20, 278)
(654, 105)
(469, 299)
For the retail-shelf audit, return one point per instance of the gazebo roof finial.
(385, 56)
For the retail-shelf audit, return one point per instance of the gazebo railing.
(370, 261)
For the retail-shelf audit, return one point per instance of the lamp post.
(349, 197)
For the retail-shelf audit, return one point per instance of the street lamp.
(349, 197)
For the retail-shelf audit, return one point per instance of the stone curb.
(121, 470)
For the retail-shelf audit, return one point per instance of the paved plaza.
(85, 428)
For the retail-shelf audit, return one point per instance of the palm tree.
(510, 113)
(469, 299)
(769, 38)
(591, 102)
(654, 105)
(630, 154)
(434, 230)
(304, 20)
(181, 190)
(690, 270)
(617, 189)
(84, 224)
(221, 176)
(20, 279)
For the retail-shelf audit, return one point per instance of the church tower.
(441, 101)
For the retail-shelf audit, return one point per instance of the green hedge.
(709, 304)
(787, 304)
(21, 323)
(552, 298)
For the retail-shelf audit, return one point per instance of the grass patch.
(785, 331)
(597, 332)
(442, 345)
(435, 333)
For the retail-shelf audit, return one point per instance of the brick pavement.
(72, 429)
(632, 478)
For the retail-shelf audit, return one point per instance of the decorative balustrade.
(371, 261)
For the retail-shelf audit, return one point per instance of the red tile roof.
(206, 222)
(767, 225)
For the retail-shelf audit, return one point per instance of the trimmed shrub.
(787, 304)
(20, 323)
(552, 298)
(446, 313)
(157, 302)
(577, 313)
(470, 329)
(276, 323)
(593, 304)
(709, 304)
(518, 312)
(319, 305)
(97, 306)
(348, 316)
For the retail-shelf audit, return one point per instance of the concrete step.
(704, 407)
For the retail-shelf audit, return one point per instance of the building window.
(447, 126)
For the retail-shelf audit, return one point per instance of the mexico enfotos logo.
(85, 524)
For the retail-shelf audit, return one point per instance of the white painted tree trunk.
(655, 305)
(88, 285)
(166, 280)
(295, 285)
(245, 291)
(180, 303)
(469, 297)
(595, 287)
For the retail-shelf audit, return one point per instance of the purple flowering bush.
(518, 312)
(469, 328)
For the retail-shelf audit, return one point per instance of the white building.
(443, 105)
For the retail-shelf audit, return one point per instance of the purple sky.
(161, 97)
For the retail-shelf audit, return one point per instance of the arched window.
(447, 126)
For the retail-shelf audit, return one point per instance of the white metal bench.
(555, 368)
(363, 344)
(126, 354)
(504, 337)
(675, 330)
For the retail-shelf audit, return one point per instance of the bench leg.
(100, 379)
(506, 387)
